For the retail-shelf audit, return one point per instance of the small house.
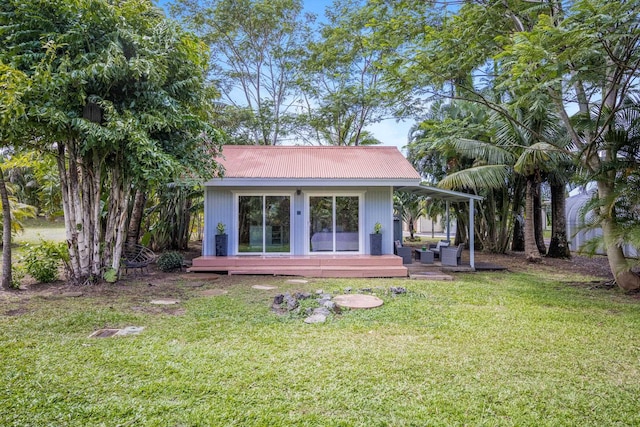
(310, 205)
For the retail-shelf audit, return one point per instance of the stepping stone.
(71, 294)
(165, 301)
(264, 287)
(104, 333)
(299, 281)
(357, 301)
(131, 330)
(194, 284)
(213, 292)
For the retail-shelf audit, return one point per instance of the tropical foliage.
(119, 98)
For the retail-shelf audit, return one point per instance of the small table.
(425, 256)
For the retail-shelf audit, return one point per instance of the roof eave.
(311, 182)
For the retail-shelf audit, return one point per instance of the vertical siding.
(218, 208)
(378, 207)
(298, 225)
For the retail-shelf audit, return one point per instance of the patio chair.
(137, 256)
(435, 247)
(403, 251)
(451, 256)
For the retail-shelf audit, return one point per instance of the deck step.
(326, 271)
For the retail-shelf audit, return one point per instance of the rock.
(308, 311)
(365, 290)
(292, 303)
(397, 290)
(330, 305)
(302, 295)
(322, 310)
(319, 292)
(315, 318)
(278, 299)
(347, 290)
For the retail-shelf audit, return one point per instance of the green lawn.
(488, 349)
(39, 228)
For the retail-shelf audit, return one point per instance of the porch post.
(471, 236)
(448, 223)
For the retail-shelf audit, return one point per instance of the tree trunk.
(517, 244)
(6, 235)
(559, 246)
(538, 220)
(620, 267)
(137, 212)
(530, 248)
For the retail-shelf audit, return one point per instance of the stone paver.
(165, 301)
(357, 301)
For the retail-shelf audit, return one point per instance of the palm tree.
(516, 148)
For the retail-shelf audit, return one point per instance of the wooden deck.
(307, 266)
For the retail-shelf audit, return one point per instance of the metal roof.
(326, 163)
(439, 193)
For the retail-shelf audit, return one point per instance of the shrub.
(43, 260)
(170, 261)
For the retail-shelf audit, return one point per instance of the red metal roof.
(254, 161)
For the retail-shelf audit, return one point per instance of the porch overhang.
(449, 196)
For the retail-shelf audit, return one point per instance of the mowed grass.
(37, 229)
(488, 349)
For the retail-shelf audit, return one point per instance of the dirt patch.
(597, 266)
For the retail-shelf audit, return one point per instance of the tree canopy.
(119, 98)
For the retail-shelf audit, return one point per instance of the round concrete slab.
(357, 301)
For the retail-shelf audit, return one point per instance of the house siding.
(377, 206)
(218, 208)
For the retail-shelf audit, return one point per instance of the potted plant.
(221, 240)
(375, 239)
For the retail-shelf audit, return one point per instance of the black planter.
(221, 244)
(375, 241)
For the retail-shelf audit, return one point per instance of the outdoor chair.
(137, 256)
(435, 247)
(451, 255)
(404, 252)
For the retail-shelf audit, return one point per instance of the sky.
(390, 132)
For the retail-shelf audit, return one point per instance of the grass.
(40, 228)
(487, 349)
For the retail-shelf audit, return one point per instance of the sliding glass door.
(334, 224)
(264, 224)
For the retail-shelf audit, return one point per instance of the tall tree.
(252, 44)
(341, 79)
(119, 98)
(13, 83)
(581, 52)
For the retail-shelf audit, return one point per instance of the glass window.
(264, 224)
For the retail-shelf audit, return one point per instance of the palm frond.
(484, 150)
(480, 177)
